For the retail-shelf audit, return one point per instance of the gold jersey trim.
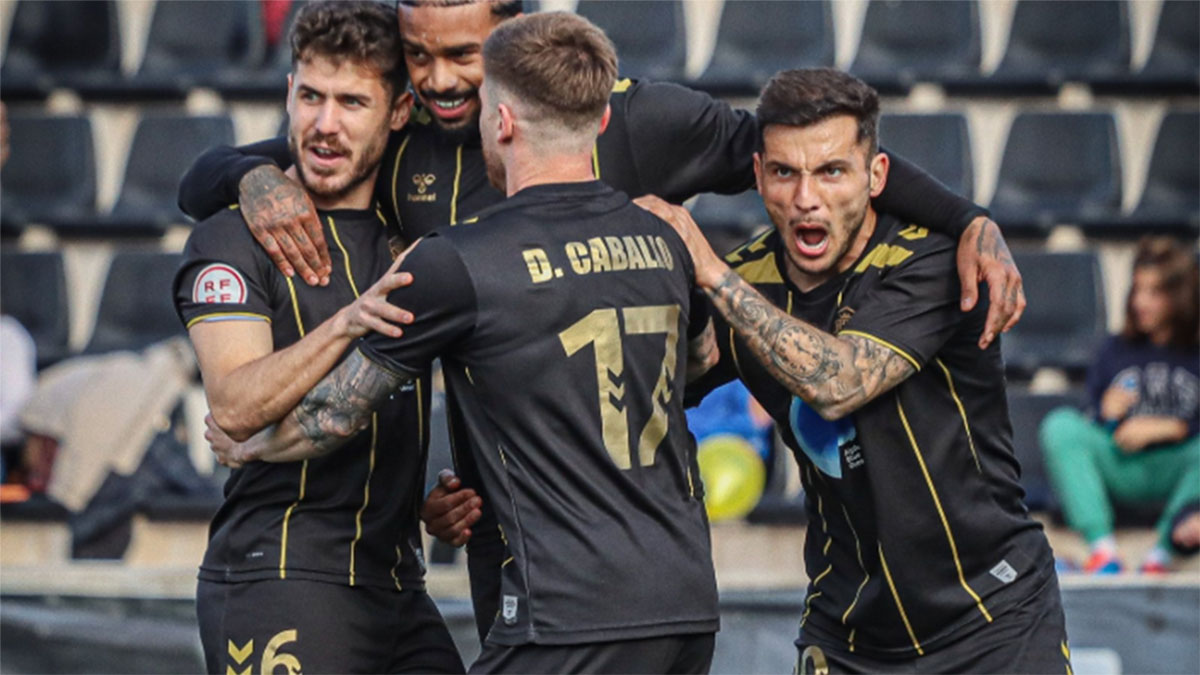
(249, 316)
(937, 502)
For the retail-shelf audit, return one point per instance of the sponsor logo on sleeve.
(219, 283)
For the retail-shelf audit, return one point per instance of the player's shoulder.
(225, 230)
(757, 260)
(899, 244)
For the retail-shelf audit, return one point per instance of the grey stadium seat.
(163, 147)
(71, 43)
(136, 307)
(648, 34)
(1027, 410)
(1057, 41)
(197, 43)
(1065, 319)
(910, 41)
(939, 143)
(756, 38)
(33, 289)
(1058, 168)
(50, 176)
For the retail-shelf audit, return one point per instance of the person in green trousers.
(1140, 444)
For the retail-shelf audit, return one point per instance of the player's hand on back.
(372, 311)
(451, 509)
(983, 255)
(709, 266)
(283, 219)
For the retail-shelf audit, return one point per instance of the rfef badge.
(219, 283)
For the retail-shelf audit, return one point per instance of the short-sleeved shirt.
(917, 529)
(561, 319)
(348, 518)
(1165, 379)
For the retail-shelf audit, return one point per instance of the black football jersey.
(349, 518)
(917, 531)
(561, 317)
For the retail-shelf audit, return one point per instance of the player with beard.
(662, 139)
(564, 318)
(845, 324)
(316, 566)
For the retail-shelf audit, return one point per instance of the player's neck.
(528, 171)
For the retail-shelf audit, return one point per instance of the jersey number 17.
(601, 329)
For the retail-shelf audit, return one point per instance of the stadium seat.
(267, 80)
(904, 42)
(50, 176)
(1170, 202)
(1058, 41)
(196, 43)
(938, 143)
(1065, 318)
(1026, 411)
(1174, 64)
(33, 290)
(1058, 168)
(164, 145)
(756, 38)
(648, 34)
(71, 43)
(729, 220)
(136, 307)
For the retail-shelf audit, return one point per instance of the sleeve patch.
(219, 283)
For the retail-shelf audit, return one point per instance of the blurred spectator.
(734, 449)
(1185, 529)
(18, 371)
(1141, 444)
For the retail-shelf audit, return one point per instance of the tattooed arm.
(834, 375)
(703, 353)
(990, 260)
(340, 406)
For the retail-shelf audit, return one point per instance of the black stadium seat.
(70, 43)
(50, 176)
(910, 41)
(756, 38)
(648, 34)
(1058, 41)
(729, 220)
(1058, 168)
(1174, 64)
(164, 145)
(939, 143)
(1026, 410)
(1065, 319)
(198, 43)
(1171, 198)
(136, 308)
(33, 289)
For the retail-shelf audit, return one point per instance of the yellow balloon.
(734, 476)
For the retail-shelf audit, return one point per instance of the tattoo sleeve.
(834, 375)
(332, 413)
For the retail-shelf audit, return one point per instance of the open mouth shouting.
(812, 239)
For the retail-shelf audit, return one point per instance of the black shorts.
(317, 627)
(671, 654)
(1029, 638)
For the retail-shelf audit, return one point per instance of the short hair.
(361, 31)
(501, 9)
(806, 96)
(558, 64)
(1175, 262)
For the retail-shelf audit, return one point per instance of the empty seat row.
(910, 41)
(136, 308)
(50, 177)
(77, 44)
(1057, 168)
